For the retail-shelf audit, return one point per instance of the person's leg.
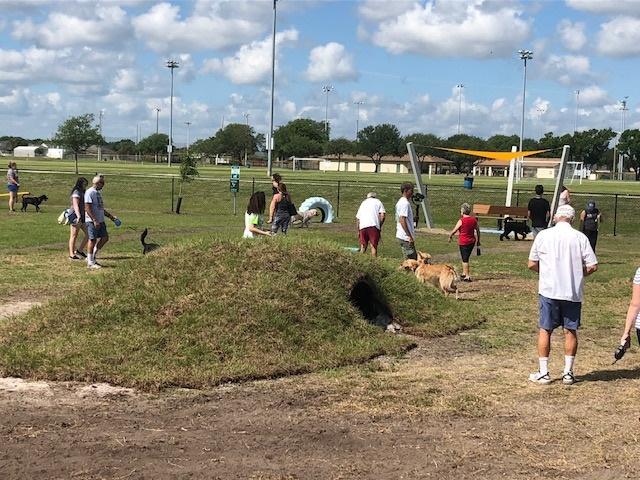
(549, 320)
(91, 243)
(12, 201)
(465, 269)
(465, 254)
(571, 312)
(363, 240)
(408, 250)
(285, 223)
(374, 239)
(83, 242)
(73, 235)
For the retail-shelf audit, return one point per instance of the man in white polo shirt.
(405, 228)
(369, 219)
(563, 257)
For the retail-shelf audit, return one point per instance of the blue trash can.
(468, 183)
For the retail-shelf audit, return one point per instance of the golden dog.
(444, 277)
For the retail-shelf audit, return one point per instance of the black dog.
(518, 227)
(33, 201)
(147, 247)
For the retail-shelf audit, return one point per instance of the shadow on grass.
(611, 375)
(121, 257)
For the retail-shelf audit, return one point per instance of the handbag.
(291, 209)
(62, 218)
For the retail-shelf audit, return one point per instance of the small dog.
(305, 217)
(444, 277)
(147, 247)
(36, 201)
(518, 227)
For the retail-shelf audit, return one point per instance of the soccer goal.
(575, 170)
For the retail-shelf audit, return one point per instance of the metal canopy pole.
(419, 185)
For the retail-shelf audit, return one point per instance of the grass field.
(461, 404)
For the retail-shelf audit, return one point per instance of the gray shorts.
(408, 249)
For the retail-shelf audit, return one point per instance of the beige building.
(361, 163)
(532, 167)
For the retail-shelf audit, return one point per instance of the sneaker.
(540, 379)
(94, 266)
(74, 257)
(568, 378)
(81, 254)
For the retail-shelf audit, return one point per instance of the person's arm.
(599, 218)
(529, 215)
(455, 229)
(477, 234)
(632, 313)
(75, 204)
(88, 211)
(534, 265)
(589, 269)
(405, 227)
(358, 224)
(272, 207)
(382, 216)
(258, 231)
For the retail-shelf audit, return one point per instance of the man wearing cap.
(563, 257)
(405, 228)
(369, 220)
(94, 218)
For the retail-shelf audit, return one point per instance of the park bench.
(499, 212)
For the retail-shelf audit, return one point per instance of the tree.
(463, 162)
(422, 143)
(629, 145)
(302, 137)
(155, 143)
(77, 134)
(379, 141)
(8, 143)
(590, 146)
(235, 140)
(502, 143)
(124, 146)
(188, 172)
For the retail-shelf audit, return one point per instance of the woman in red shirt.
(469, 236)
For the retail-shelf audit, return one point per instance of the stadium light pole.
(246, 122)
(171, 65)
(157, 109)
(326, 89)
(273, 81)
(624, 109)
(575, 124)
(100, 114)
(357, 104)
(188, 124)
(460, 87)
(524, 56)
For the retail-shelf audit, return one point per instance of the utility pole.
(624, 110)
(327, 89)
(246, 121)
(100, 130)
(575, 125)
(188, 124)
(357, 104)
(460, 87)
(171, 65)
(273, 82)
(524, 56)
(157, 109)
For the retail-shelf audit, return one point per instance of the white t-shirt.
(93, 196)
(251, 219)
(403, 209)
(369, 213)
(636, 281)
(562, 252)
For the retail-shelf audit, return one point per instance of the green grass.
(205, 312)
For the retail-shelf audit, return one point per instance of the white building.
(55, 152)
(25, 151)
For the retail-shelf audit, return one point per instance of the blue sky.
(402, 58)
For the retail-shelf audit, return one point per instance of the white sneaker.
(568, 378)
(540, 379)
(94, 266)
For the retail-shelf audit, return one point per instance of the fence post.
(253, 185)
(517, 197)
(338, 204)
(615, 215)
(173, 181)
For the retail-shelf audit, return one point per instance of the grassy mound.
(206, 312)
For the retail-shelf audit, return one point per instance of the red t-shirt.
(467, 231)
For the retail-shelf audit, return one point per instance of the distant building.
(27, 151)
(361, 163)
(55, 152)
(531, 167)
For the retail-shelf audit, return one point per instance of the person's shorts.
(369, 235)
(94, 232)
(408, 249)
(466, 251)
(559, 313)
(281, 222)
(537, 230)
(12, 187)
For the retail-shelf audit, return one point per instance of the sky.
(390, 61)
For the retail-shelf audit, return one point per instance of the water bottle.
(478, 250)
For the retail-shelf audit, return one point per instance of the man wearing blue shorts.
(563, 257)
(94, 218)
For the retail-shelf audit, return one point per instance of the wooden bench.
(499, 212)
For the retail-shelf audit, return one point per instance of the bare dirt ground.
(456, 407)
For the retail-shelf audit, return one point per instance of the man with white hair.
(94, 218)
(563, 257)
(369, 220)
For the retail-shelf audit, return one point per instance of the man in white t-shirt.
(563, 257)
(369, 219)
(94, 219)
(405, 229)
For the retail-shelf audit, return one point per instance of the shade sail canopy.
(495, 155)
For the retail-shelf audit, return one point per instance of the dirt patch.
(17, 307)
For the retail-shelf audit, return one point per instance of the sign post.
(234, 184)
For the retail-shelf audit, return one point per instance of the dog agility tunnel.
(321, 204)
(366, 297)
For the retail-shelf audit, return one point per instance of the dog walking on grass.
(442, 276)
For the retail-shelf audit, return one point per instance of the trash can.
(468, 183)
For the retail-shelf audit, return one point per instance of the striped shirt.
(636, 281)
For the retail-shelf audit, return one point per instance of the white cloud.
(108, 25)
(568, 69)
(606, 6)
(443, 28)
(619, 37)
(162, 29)
(593, 96)
(330, 62)
(127, 79)
(378, 10)
(252, 63)
(572, 34)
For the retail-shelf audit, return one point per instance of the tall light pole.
(326, 89)
(100, 114)
(623, 109)
(171, 65)
(357, 104)
(273, 83)
(188, 124)
(575, 124)
(157, 109)
(246, 121)
(460, 87)
(524, 56)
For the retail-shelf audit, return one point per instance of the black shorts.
(466, 251)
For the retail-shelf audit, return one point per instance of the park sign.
(234, 182)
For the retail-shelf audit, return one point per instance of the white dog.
(305, 217)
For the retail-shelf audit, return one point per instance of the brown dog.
(409, 265)
(443, 277)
